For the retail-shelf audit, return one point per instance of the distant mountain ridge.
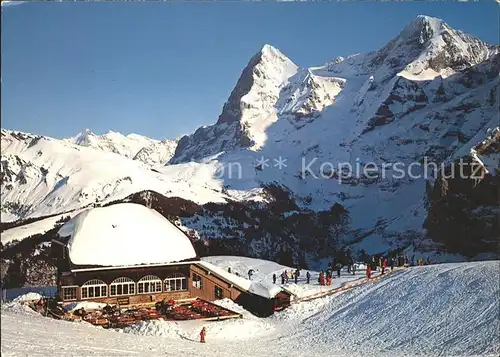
(134, 146)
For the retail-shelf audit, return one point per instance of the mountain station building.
(128, 254)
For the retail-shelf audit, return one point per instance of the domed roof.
(124, 234)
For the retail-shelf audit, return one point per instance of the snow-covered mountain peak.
(423, 27)
(82, 138)
(428, 47)
(271, 53)
(133, 146)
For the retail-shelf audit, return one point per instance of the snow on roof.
(254, 287)
(124, 234)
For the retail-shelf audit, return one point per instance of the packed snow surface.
(437, 310)
(261, 282)
(124, 234)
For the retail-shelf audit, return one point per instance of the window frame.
(63, 291)
(217, 297)
(120, 284)
(197, 281)
(149, 281)
(89, 289)
(179, 280)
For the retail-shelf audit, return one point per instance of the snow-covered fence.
(342, 288)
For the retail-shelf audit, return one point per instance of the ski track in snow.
(439, 310)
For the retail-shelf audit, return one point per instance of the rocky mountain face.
(302, 161)
(271, 87)
(423, 100)
(251, 105)
(137, 147)
(463, 210)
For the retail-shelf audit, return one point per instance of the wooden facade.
(199, 282)
(210, 282)
(133, 296)
(144, 284)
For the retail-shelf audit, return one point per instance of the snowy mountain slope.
(449, 309)
(137, 147)
(37, 227)
(157, 153)
(426, 44)
(420, 98)
(429, 95)
(42, 176)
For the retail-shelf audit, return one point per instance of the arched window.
(122, 286)
(175, 282)
(149, 284)
(94, 289)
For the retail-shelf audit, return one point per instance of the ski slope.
(439, 310)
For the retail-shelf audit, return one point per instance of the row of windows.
(126, 286)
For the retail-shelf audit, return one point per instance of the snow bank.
(86, 305)
(231, 305)
(124, 234)
(244, 328)
(18, 308)
(28, 297)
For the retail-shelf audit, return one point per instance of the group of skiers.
(398, 260)
(294, 274)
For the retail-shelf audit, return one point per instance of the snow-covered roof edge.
(187, 261)
(252, 287)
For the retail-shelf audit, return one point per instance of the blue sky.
(164, 69)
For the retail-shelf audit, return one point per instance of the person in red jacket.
(202, 335)
(384, 266)
(368, 272)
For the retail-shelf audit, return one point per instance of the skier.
(229, 270)
(339, 266)
(274, 278)
(350, 267)
(321, 278)
(282, 278)
(308, 277)
(286, 276)
(353, 269)
(368, 272)
(296, 276)
(202, 334)
(329, 279)
(392, 263)
(250, 273)
(384, 265)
